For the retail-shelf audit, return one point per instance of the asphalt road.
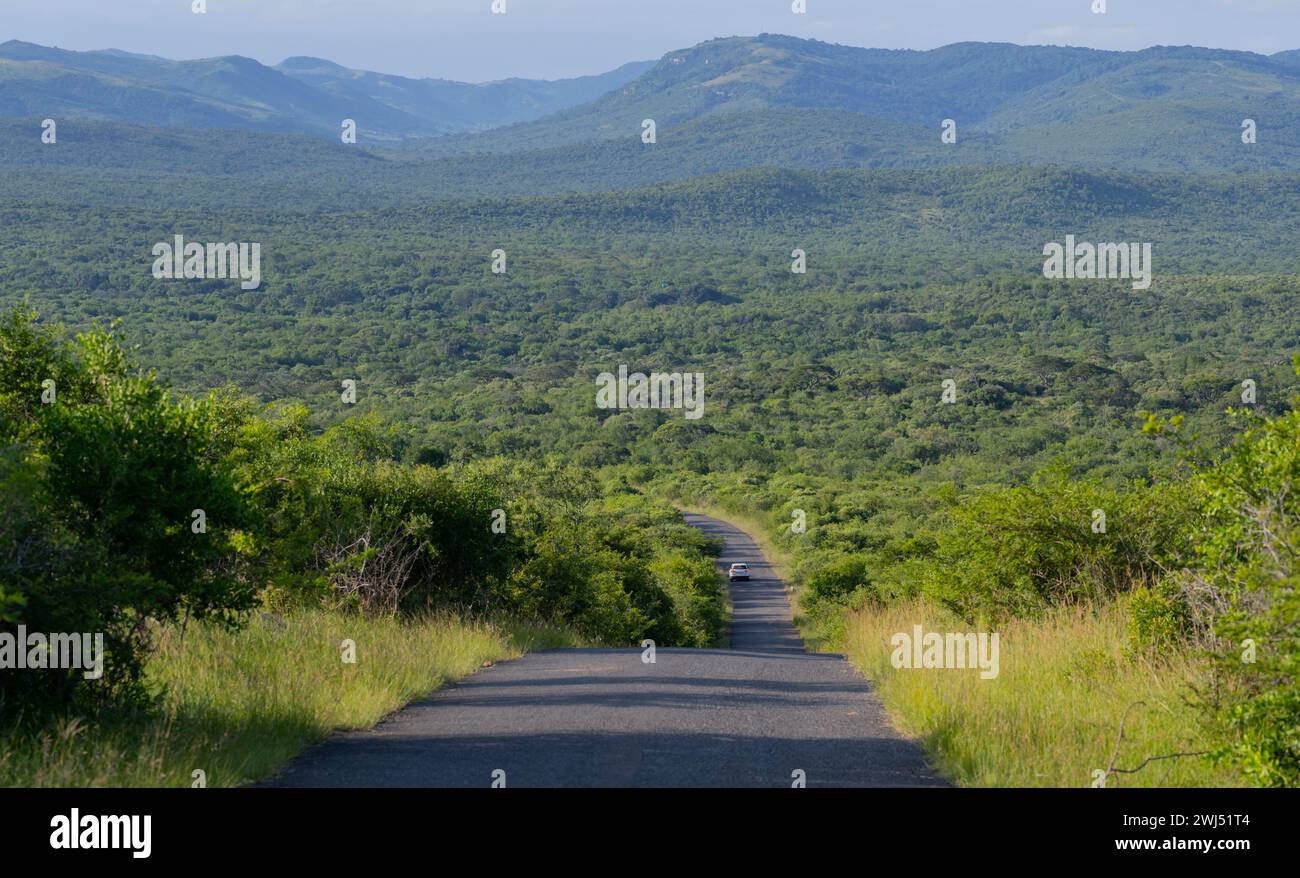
(750, 716)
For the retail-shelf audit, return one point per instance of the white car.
(738, 571)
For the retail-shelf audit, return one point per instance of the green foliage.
(99, 485)
(99, 482)
(1056, 541)
(1243, 583)
(343, 522)
(1159, 620)
(837, 579)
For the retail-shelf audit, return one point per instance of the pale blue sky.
(461, 39)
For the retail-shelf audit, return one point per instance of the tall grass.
(1051, 716)
(239, 704)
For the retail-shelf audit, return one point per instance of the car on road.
(738, 571)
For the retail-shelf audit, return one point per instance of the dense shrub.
(1242, 587)
(344, 523)
(100, 484)
(99, 489)
(1018, 550)
(837, 579)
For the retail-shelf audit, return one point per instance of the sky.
(552, 39)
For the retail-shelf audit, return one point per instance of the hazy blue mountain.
(1043, 99)
(1291, 57)
(302, 95)
(968, 81)
(725, 105)
(446, 106)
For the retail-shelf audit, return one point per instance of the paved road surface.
(748, 716)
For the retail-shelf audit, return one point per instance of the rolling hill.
(992, 87)
(302, 95)
(725, 105)
(440, 106)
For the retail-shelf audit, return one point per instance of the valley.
(529, 301)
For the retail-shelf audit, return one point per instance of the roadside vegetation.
(238, 704)
(167, 523)
(1147, 628)
(1052, 716)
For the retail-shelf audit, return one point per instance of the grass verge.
(239, 704)
(1051, 716)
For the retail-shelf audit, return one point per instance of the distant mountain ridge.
(300, 95)
(477, 106)
(988, 87)
(726, 104)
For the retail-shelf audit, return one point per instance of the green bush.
(98, 487)
(100, 484)
(344, 523)
(837, 579)
(1017, 551)
(1158, 618)
(1243, 583)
